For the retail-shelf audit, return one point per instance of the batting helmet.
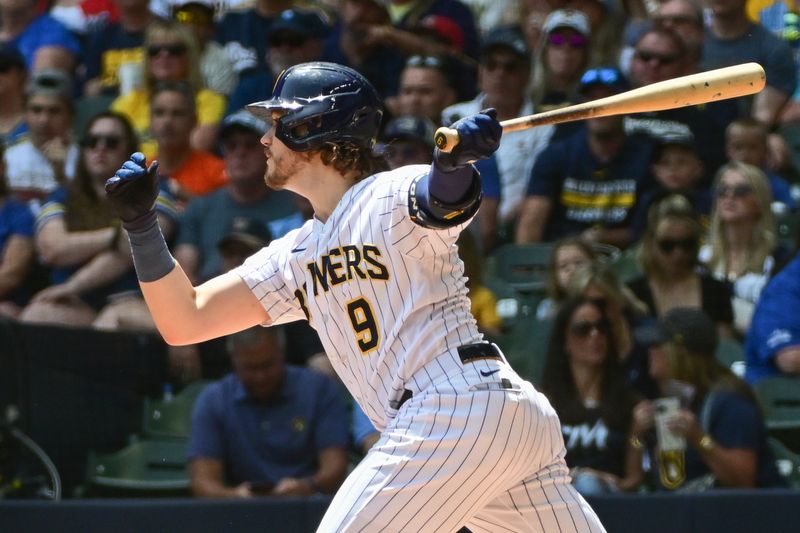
(322, 103)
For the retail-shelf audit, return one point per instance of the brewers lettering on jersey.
(464, 440)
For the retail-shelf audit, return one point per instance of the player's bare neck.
(324, 189)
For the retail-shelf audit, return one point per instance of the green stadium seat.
(143, 468)
(729, 352)
(780, 401)
(788, 462)
(523, 266)
(171, 418)
(86, 108)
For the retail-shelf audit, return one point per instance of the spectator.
(242, 33)
(350, 45)
(587, 185)
(408, 140)
(245, 195)
(80, 240)
(561, 58)
(685, 18)
(568, 255)
(584, 383)
(188, 172)
(503, 75)
(244, 237)
(720, 420)
(268, 428)
(215, 67)
(43, 41)
(46, 160)
(746, 142)
(84, 15)
(731, 39)
(426, 88)
(16, 250)
(772, 346)
(297, 36)
(172, 56)
(668, 258)
(742, 246)
(678, 169)
(116, 49)
(13, 76)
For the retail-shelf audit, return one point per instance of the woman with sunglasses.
(742, 247)
(78, 237)
(586, 385)
(668, 258)
(171, 55)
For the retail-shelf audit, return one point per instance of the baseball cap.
(243, 119)
(307, 24)
(11, 58)
(446, 28)
(610, 77)
(687, 326)
(51, 82)
(411, 128)
(509, 37)
(245, 231)
(567, 18)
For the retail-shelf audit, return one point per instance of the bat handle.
(446, 139)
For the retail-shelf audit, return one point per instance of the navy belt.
(469, 353)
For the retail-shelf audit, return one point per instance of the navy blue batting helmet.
(322, 103)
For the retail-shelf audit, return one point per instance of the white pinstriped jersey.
(385, 294)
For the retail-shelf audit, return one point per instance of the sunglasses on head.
(584, 328)
(605, 76)
(736, 191)
(667, 246)
(112, 142)
(424, 61)
(573, 41)
(662, 59)
(173, 50)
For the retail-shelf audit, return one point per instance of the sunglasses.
(173, 50)
(112, 142)
(424, 61)
(667, 246)
(288, 38)
(584, 328)
(606, 76)
(676, 20)
(573, 41)
(662, 59)
(505, 66)
(735, 191)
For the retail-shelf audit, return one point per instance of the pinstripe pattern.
(458, 451)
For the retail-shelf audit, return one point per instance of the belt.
(469, 353)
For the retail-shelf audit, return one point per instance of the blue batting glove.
(478, 138)
(133, 189)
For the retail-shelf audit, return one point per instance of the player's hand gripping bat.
(701, 88)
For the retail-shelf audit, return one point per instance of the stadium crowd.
(668, 234)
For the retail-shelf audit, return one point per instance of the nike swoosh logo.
(297, 250)
(487, 374)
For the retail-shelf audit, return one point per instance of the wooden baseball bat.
(701, 88)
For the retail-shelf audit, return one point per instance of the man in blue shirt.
(268, 428)
(772, 347)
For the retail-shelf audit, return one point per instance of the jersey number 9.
(362, 319)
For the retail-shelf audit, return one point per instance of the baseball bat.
(694, 89)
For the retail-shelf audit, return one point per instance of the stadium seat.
(729, 352)
(143, 468)
(523, 266)
(780, 401)
(171, 418)
(625, 265)
(788, 462)
(788, 225)
(526, 346)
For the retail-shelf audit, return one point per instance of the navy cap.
(509, 37)
(412, 128)
(247, 231)
(243, 119)
(690, 327)
(610, 77)
(307, 24)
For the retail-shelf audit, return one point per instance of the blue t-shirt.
(108, 48)
(43, 31)
(775, 324)
(586, 192)
(16, 218)
(490, 177)
(362, 427)
(265, 442)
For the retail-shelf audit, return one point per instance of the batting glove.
(133, 190)
(478, 138)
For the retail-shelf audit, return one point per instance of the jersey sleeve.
(54, 207)
(269, 275)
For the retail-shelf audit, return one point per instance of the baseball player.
(464, 440)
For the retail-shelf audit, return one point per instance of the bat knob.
(446, 139)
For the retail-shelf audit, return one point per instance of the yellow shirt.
(484, 307)
(135, 105)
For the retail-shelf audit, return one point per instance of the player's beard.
(279, 171)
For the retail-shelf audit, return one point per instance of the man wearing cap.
(503, 76)
(13, 75)
(43, 41)
(296, 36)
(408, 140)
(37, 166)
(588, 184)
(207, 217)
(426, 87)
(772, 347)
